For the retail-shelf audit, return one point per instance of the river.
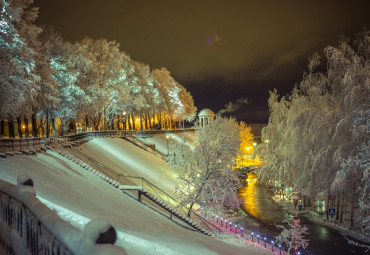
(264, 214)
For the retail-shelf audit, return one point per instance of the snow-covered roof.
(206, 113)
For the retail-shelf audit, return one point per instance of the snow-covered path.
(79, 195)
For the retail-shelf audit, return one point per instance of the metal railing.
(125, 179)
(16, 144)
(116, 133)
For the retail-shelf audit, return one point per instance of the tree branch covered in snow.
(205, 170)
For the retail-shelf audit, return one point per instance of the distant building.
(205, 116)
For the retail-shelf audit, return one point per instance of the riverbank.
(332, 223)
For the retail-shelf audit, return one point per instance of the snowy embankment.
(79, 196)
(126, 158)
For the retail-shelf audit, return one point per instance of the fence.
(121, 133)
(15, 144)
(22, 232)
(27, 226)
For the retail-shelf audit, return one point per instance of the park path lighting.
(252, 236)
(226, 224)
(235, 229)
(280, 248)
(258, 239)
(272, 245)
(168, 147)
(264, 239)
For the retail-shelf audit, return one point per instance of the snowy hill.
(79, 196)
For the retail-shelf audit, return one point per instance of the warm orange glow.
(247, 194)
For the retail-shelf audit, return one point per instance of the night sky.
(219, 50)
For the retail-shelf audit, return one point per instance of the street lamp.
(168, 148)
(272, 245)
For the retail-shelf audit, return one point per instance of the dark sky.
(219, 50)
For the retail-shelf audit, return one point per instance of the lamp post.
(168, 147)
(258, 239)
(272, 245)
(252, 236)
(265, 241)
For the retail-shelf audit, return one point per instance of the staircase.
(155, 198)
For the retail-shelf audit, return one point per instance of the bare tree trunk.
(2, 128)
(327, 209)
(11, 127)
(141, 121)
(338, 206)
(160, 121)
(63, 127)
(53, 126)
(19, 120)
(118, 122)
(47, 123)
(133, 122)
(151, 121)
(86, 122)
(129, 122)
(34, 125)
(41, 125)
(353, 207)
(26, 131)
(342, 209)
(146, 121)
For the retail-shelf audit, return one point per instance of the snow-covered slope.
(126, 158)
(79, 195)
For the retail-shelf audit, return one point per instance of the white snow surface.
(160, 140)
(78, 195)
(126, 158)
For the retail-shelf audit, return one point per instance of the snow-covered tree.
(100, 77)
(16, 64)
(293, 236)
(205, 173)
(318, 135)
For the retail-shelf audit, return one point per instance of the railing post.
(139, 192)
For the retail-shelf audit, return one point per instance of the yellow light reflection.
(248, 196)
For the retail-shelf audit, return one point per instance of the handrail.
(155, 189)
(111, 133)
(30, 227)
(18, 144)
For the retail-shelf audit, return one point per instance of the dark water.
(266, 214)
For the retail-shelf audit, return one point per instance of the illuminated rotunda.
(205, 116)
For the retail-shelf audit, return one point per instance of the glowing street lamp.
(265, 241)
(252, 236)
(272, 245)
